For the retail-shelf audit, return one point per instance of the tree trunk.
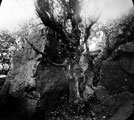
(73, 90)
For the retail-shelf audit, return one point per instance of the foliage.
(117, 33)
(7, 46)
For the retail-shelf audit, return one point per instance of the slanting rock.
(125, 104)
(127, 65)
(21, 89)
(39, 41)
(114, 78)
(47, 77)
(25, 79)
(88, 92)
(20, 84)
(128, 47)
(100, 92)
(127, 61)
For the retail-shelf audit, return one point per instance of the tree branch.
(87, 30)
(133, 2)
(44, 55)
(0, 2)
(50, 21)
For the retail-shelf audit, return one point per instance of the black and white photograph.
(66, 59)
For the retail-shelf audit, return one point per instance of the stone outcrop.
(20, 85)
(34, 89)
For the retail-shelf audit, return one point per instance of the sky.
(115, 8)
(14, 13)
(105, 9)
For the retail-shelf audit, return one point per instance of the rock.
(100, 92)
(38, 41)
(2, 80)
(124, 107)
(114, 79)
(128, 47)
(25, 79)
(83, 62)
(50, 101)
(30, 106)
(47, 77)
(88, 93)
(20, 84)
(127, 63)
(109, 101)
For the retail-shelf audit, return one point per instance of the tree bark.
(0, 2)
(133, 2)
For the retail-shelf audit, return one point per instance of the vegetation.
(68, 37)
(67, 65)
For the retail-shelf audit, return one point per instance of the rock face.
(127, 107)
(127, 61)
(20, 85)
(35, 91)
(47, 77)
(119, 75)
(25, 78)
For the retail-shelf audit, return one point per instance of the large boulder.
(31, 82)
(20, 84)
(118, 75)
(36, 90)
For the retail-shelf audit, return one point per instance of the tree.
(67, 35)
(67, 40)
